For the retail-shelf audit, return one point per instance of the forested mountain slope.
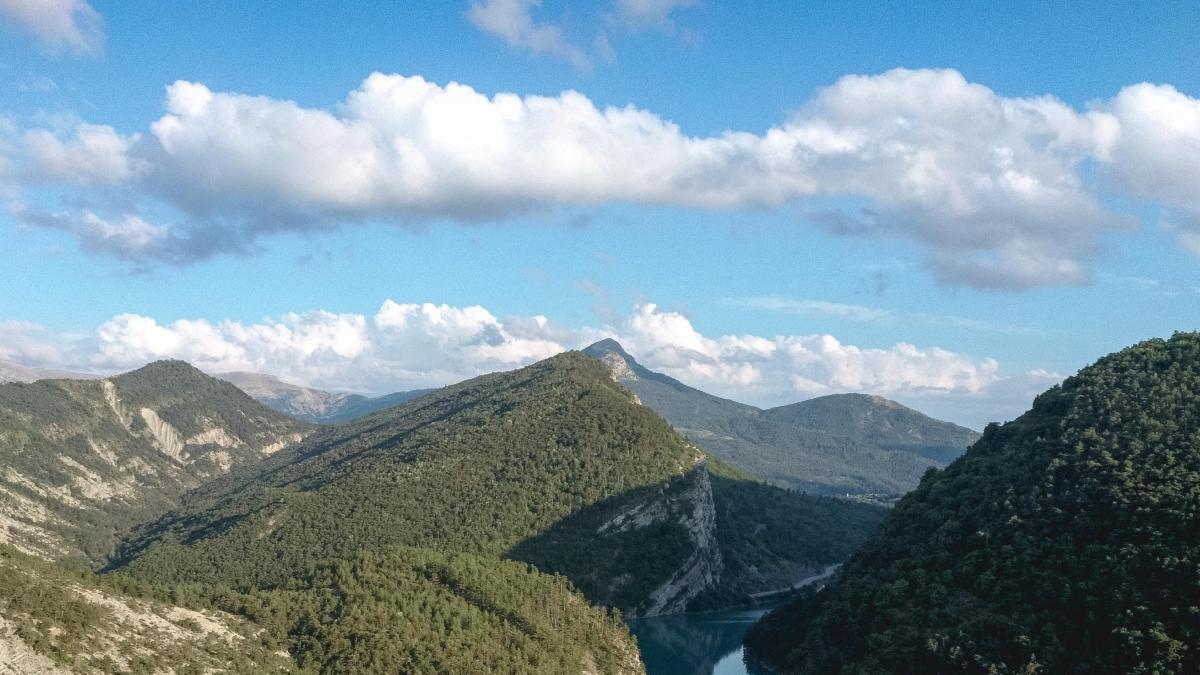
(420, 611)
(82, 460)
(1064, 541)
(490, 465)
(833, 445)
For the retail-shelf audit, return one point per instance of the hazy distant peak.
(11, 371)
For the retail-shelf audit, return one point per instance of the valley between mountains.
(508, 522)
(164, 520)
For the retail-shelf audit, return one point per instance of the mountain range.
(507, 523)
(555, 464)
(843, 444)
(14, 372)
(493, 523)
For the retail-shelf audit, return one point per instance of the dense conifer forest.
(1064, 541)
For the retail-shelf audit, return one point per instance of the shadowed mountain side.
(705, 540)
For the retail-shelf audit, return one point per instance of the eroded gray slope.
(82, 460)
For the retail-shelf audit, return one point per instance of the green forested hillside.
(832, 445)
(476, 468)
(81, 460)
(1064, 541)
(492, 467)
(418, 611)
(403, 611)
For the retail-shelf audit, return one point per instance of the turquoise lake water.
(696, 644)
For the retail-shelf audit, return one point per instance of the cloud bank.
(998, 192)
(408, 345)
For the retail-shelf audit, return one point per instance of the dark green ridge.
(1067, 540)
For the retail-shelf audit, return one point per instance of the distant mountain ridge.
(81, 460)
(833, 445)
(313, 405)
(11, 371)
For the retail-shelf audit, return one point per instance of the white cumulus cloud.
(414, 345)
(1156, 155)
(789, 367)
(94, 155)
(996, 190)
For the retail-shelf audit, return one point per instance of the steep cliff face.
(687, 505)
(81, 460)
(705, 539)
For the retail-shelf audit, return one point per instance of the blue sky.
(98, 200)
